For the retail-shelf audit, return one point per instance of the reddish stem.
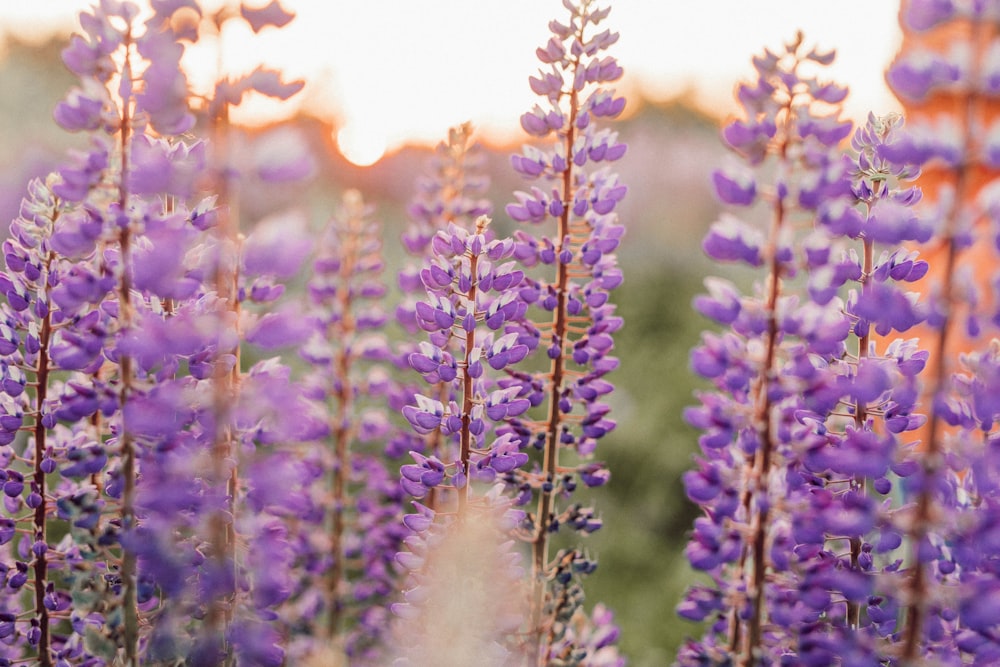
(554, 421)
(41, 564)
(128, 571)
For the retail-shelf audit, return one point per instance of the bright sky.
(391, 71)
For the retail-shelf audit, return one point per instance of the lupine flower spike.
(570, 271)
(773, 369)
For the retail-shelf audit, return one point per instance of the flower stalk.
(40, 527)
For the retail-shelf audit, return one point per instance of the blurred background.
(384, 81)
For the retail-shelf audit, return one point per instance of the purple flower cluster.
(495, 306)
(351, 551)
(774, 369)
(175, 491)
(471, 289)
(847, 473)
(570, 268)
(124, 349)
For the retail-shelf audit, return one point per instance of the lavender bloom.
(164, 98)
(112, 316)
(450, 195)
(71, 328)
(32, 351)
(813, 574)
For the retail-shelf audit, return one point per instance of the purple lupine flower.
(363, 530)
(471, 275)
(40, 336)
(567, 253)
(780, 480)
(453, 194)
(450, 196)
(59, 320)
(947, 484)
(109, 300)
(468, 283)
(925, 14)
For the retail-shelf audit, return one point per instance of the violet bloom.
(63, 314)
(949, 484)
(108, 315)
(450, 194)
(350, 555)
(37, 496)
(775, 519)
(567, 248)
(469, 275)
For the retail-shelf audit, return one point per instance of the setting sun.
(361, 147)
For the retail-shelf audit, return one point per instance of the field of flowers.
(233, 441)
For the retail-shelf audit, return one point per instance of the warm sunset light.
(398, 72)
(359, 147)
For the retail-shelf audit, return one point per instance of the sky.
(390, 72)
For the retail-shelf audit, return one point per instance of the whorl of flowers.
(352, 551)
(773, 369)
(570, 267)
(863, 543)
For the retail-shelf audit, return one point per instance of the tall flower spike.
(465, 282)
(34, 354)
(571, 270)
(450, 195)
(72, 282)
(469, 275)
(233, 285)
(350, 358)
(774, 387)
(951, 96)
(858, 454)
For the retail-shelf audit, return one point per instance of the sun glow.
(409, 71)
(361, 147)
